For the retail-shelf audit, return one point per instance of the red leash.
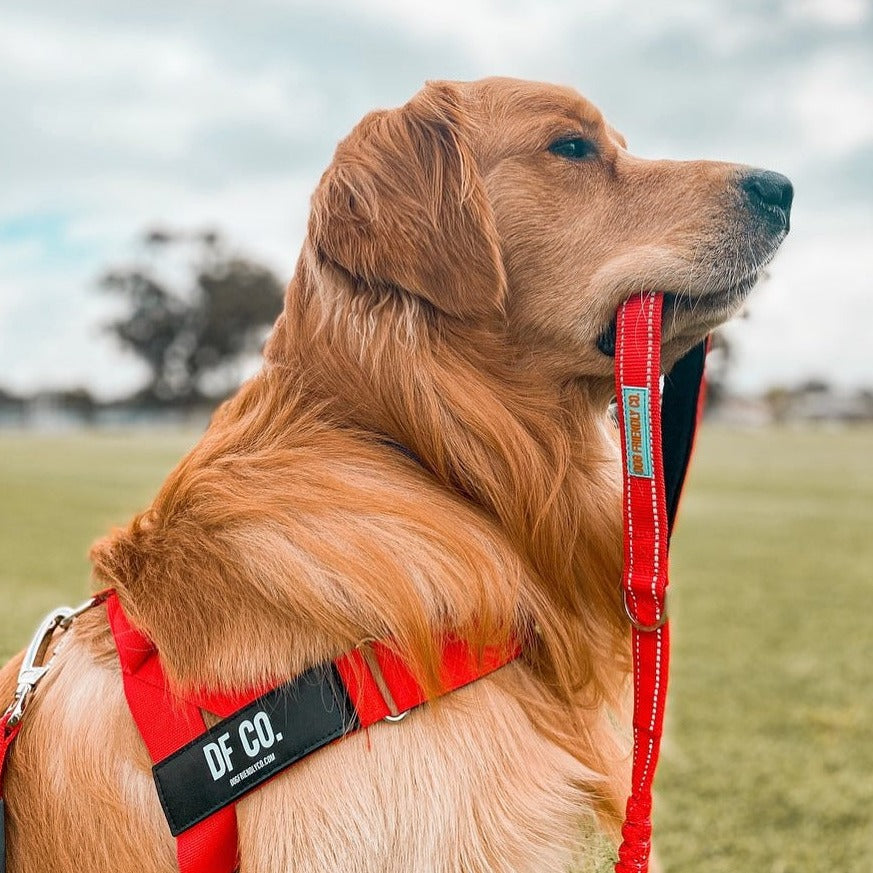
(646, 533)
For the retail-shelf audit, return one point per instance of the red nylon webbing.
(167, 722)
(7, 737)
(644, 583)
(459, 666)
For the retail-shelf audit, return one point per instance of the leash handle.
(646, 541)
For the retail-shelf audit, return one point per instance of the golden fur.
(449, 295)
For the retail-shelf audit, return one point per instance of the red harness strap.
(168, 722)
(7, 736)
(646, 532)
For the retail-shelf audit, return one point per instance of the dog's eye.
(574, 148)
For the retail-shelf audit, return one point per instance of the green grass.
(768, 764)
(57, 495)
(770, 754)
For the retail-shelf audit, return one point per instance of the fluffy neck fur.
(539, 460)
(291, 515)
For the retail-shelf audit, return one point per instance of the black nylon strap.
(679, 406)
(246, 749)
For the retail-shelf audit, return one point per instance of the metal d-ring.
(372, 662)
(636, 623)
(396, 718)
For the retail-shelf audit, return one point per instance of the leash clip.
(34, 666)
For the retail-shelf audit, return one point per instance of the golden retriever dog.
(465, 257)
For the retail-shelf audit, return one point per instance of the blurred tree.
(718, 369)
(814, 386)
(200, 329)
(865, 402)
(778, 400)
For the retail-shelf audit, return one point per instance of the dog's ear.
(402, 204)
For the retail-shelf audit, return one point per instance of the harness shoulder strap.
(166, 724)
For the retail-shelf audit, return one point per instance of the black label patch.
(253, 745)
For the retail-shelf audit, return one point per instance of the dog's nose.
(769, 194)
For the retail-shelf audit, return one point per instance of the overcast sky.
(118, 115)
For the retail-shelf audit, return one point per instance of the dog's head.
(515, 205)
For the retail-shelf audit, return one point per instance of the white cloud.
(123, 115)
(832, 12)
(812, 318)
(493, 32)
(834, 104)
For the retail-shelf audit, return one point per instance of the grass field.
(768, 766)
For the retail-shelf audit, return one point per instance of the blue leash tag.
(638, 431)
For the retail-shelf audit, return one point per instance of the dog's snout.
(769, 194)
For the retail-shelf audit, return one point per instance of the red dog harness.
(263, 731)
(200, 773)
